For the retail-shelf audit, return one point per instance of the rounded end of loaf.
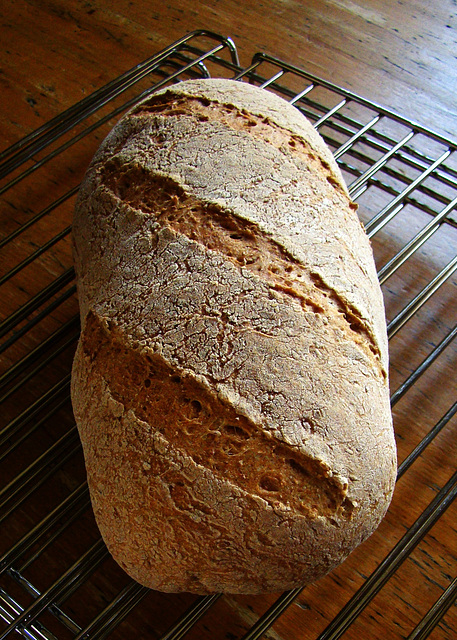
(192, 496)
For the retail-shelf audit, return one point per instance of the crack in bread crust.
(210, 432)
(242, 242)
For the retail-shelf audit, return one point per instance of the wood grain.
(400, 54)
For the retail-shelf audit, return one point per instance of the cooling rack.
(56, 578)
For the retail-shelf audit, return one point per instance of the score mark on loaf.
(230, 383)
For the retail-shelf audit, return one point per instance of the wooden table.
(398, 54)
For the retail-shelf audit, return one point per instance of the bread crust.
(230, 385)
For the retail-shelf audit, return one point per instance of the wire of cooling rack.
(56, 578)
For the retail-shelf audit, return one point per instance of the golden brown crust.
(233, 356)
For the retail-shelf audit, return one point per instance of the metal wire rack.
(56, 577)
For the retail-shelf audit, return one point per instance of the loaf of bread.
(230, 383)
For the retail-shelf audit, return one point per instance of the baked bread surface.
(230, 384)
